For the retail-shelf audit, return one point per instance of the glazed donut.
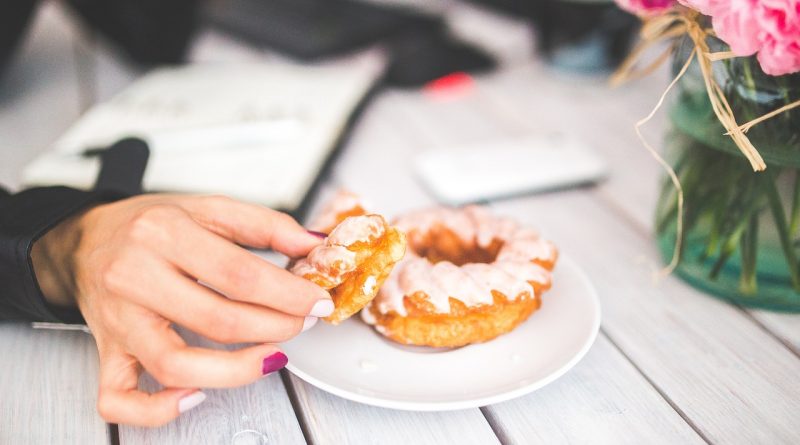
(468, 277)
(352, 262)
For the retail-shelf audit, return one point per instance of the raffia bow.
(674, 23)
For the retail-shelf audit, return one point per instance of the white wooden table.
(671, 365)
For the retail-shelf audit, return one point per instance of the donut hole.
(442, 244)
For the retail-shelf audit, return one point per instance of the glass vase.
(741, 236)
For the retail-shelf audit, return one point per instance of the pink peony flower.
(735, 23)
(779, 25)
(645, 7)
(779, 17)
(770, 28)
(779, 58)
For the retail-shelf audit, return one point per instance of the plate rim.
(480, 401)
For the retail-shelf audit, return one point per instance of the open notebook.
(258, 132)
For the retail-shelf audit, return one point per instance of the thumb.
(119, 400)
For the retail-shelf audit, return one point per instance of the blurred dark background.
(101, 46)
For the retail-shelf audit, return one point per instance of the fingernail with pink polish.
(322, 308)
(191, 401)
(318, 234)
(274, 362)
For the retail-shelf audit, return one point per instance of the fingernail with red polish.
(274, 362)
(318, 234)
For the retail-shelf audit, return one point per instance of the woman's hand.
(134, 266)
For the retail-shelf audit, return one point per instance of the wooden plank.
(472, 130)
(329, 419)
(785, 326)
(39, 96)
(533, 100)
(731, 379)
(257, 413)
(606, 120)
(378, 159)
(720, 370)
(48, 382)
(390, 133)
(603, 400)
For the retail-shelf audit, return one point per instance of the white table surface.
(671, 365)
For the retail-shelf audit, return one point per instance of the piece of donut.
(468, 277)
(353, 262)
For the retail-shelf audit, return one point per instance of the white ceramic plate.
(354, 362)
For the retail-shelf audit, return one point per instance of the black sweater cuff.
(24, 218)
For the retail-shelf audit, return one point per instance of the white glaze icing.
(522, 268)
(531, 249)
(355, 229)
(473, 224)
(367, 315)
(391, 290)
(491, 277)
(487, 227)
(330, 262)
(304, 267)
(472, 284)
(342, 202)
(332, 259)
(420, 222)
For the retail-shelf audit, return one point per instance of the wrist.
(52, 257)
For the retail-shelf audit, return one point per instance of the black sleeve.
(24, 218)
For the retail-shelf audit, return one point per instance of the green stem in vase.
(738, 200)
(747, 281)
(748, 73)
(783, 232)
(795, 218)
(749, 105)
(733, 223)
(718, 214)
(713, 243)
(789, 120)
(728, 248)
(669, 194)
(741, 229)
(783, 85)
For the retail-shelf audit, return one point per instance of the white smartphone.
(503, 168)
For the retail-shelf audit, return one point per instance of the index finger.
(251, 225)
(241, 275)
